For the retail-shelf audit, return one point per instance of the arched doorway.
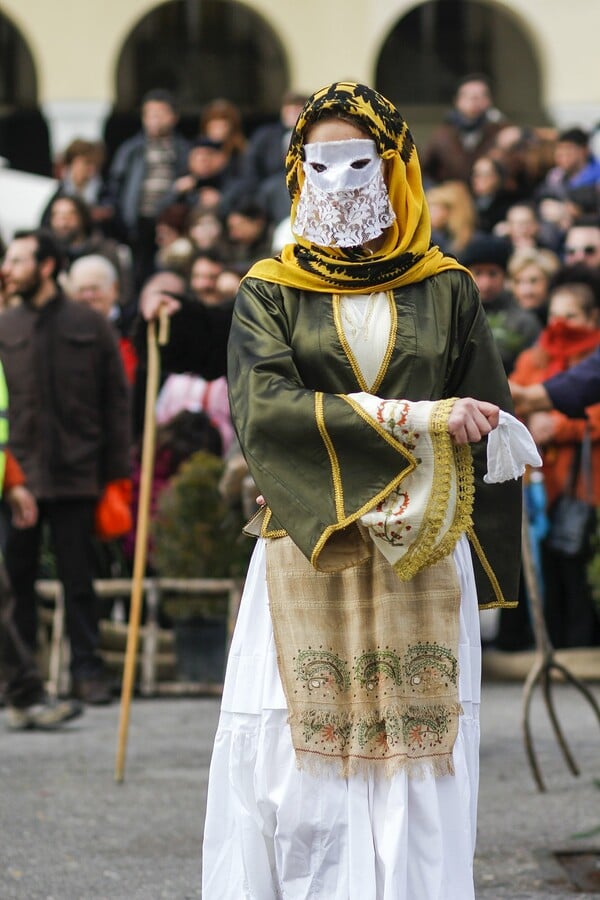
(437, 42)
(24, 140)
(200, 50)
(18, 81)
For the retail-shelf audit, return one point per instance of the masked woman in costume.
(361, 367)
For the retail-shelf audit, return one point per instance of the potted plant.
(196, 534)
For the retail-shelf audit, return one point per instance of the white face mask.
(344, 201)
(341, 165)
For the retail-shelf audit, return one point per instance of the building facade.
(77, 64)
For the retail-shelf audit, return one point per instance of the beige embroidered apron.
(368, 662)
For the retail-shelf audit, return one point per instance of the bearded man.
(69, 430)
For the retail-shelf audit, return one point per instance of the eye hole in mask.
(341, 165)
(357, 164)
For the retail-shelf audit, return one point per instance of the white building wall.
(76, 46)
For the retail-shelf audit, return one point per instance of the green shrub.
(196, 534)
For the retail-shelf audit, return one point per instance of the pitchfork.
(544, 664)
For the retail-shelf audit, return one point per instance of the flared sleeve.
(319, 461)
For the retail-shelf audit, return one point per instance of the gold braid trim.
(273, 533)
(500, 601)
(337, 318)
(465, 498)
(391, 343)
(392, 485)
(423, 551)
(338, 490)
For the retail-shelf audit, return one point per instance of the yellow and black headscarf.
(406, 255)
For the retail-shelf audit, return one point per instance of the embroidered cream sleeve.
(421, 520)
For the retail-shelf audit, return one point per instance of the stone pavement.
(68, 832)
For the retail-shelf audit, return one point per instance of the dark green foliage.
(196, 534)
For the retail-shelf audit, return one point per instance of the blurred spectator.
(513, 328)
(142, 172)
(193, 393)
(521, 226)
(175, 249)
(575, 166)
(69, 431)
(205, 270)
(579, 273)
(70, 222)
(452, 213)
(274, 198)
(526, 154)
(176, 440)
(221, 121)
(249, 234)
(6, 300)
(266, 150)
(171, 224)
(571, 335)
(228, 284)
(206, 230)
(199, 331)
(208, 181)
(530, 271)
(467, 132)
(94, 280)
(555, 218)
(80, 176)
(582, 244)
(28, 705)
(491, 197)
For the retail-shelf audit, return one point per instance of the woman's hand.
(471, 420)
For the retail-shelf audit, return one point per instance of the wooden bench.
(153, 589)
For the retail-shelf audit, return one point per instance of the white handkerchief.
(510, 448)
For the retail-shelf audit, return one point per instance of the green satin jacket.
(320, 464)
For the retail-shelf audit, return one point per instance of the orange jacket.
(13, 473)
(532, 367)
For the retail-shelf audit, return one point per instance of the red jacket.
(13, 473)
(533, 366)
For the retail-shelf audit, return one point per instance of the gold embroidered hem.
(368, 663)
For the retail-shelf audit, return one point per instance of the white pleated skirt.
(276, 832)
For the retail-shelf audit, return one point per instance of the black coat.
(198, 337)
(69, 411)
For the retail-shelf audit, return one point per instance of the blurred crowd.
(518, 205)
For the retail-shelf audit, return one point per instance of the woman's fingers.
(471, 420)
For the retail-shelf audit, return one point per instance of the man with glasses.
(582, 244)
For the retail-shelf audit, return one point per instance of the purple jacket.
(573, 390)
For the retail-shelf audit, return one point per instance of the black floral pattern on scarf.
(357, 274)
(372, 112)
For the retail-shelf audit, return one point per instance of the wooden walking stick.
(141, 536)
